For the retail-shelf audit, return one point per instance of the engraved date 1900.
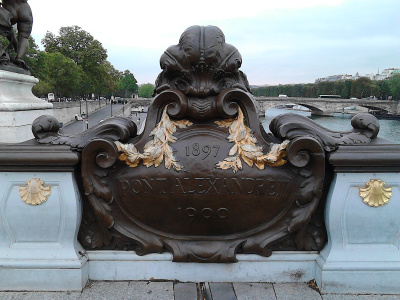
(205, 213)
(202, 151)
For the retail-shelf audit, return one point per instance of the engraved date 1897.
(203, 151)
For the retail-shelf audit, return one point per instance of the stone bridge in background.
(326, 107)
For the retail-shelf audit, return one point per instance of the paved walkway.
(94, 119)
(142, 290)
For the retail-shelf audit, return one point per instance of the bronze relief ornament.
(204, 180)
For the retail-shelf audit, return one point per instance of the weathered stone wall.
(141, 101)
(65, 111)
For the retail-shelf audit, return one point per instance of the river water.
(389, 129)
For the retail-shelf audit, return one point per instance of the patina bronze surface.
(204, 180)
(15, 12)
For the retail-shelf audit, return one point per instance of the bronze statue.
(16, 12)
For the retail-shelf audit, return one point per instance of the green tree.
(394, 85)
(128, 84)
(146, 90)
(384, 89)
(42, 88)
(110, 78)
(61, 74)
(31, 56)
(361, 87)
(78, 45)
(346, 92)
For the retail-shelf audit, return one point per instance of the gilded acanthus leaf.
(129, 154)
(225, 123)
(275, 155)
(245, 147)
(157, 150)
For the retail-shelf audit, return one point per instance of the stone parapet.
(362, 220)
(40, 212)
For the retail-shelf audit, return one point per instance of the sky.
(281, 41)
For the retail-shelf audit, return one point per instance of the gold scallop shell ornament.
(34, 192)
(375, 194)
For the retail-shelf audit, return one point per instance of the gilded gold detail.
(157, 150)
(34, 193)
(375, 194)
(245, 147)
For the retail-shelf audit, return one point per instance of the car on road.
(51, 97)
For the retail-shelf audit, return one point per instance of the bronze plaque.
(203, 188)
(203, 200)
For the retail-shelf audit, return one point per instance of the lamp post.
(87, 116)
(86, 87)
(111, 100)
(85, 121)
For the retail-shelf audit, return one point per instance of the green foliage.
(127, 84)
(146, 90)
(74, 63)
(384, 89)
(3, 42)
(360, 88)
(42, 88)
(346, 91)
(79, 46)
(31, 57)
(109, 77)
(59, 74)
(394, 85)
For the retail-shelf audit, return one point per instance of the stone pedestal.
(19, 107)
(362, 254)
(38, 245)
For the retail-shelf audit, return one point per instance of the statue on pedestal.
(15, 12)
(17, 101)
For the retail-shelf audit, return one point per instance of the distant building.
(335, 78)
(385, 74)
(370, 76)
(388, 73)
